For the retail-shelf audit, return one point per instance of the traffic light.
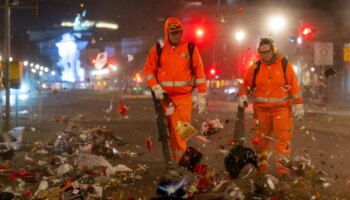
(307, 31)
(199, 32)
(213, 72)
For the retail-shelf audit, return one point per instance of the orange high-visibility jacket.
(271, 87)
(174, 72)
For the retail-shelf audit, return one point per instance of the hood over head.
(172, 24)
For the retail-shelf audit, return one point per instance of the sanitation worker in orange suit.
(274, 92)
(172, 74)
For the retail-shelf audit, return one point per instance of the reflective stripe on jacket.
(271, 87)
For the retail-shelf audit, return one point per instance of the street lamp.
(299, 40)
(239, 35)
(277, 23)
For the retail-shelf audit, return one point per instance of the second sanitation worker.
(274, 87)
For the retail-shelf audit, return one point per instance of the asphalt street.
(324, 136)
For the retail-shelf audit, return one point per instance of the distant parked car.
(231, 93)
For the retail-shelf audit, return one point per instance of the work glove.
(242, 101)
(158, 92)
(299, 111)
(202, 103)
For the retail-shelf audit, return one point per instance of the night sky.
(135, 16)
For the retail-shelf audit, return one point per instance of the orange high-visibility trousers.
(279, 121)
(183, 110)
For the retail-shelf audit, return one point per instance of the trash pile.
(189, 179)
(77, 164)
(73, 165)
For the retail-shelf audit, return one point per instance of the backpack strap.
(256, 70)
(190, 47)
(284, 66)
(159, 53)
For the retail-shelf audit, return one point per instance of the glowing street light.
(277, 23)
(296, 69)
(239, 35)
(299, 40)
(53, 73)
(113, 67)
(25, 63)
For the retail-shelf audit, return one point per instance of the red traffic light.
(307, 31)
(212, 71)
(199, 32)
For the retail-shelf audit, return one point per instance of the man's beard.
(174, 43)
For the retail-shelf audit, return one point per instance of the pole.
(17, 118)
(7, 45)
(1, 116)
(7, 42)
(239, 60)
